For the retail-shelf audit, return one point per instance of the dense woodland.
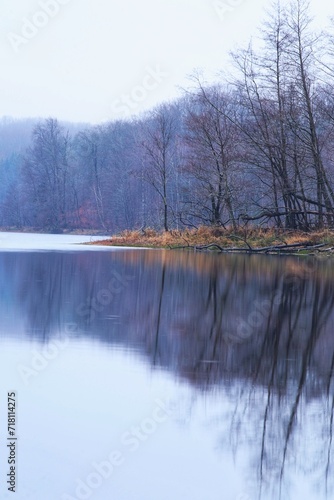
(255, 148)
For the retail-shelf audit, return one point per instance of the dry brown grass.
(226, 238)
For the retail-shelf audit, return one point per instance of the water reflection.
(257, 330)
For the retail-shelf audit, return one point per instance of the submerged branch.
(286, 249)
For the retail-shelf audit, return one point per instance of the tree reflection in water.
(256, 329)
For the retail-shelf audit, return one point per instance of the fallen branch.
(286, 249)
(242, 239)
(211, 245)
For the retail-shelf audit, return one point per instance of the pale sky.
(97, 60)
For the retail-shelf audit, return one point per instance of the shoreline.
(217, 240)
(251, 240)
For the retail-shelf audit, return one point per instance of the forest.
(253, 149)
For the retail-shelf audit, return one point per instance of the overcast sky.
(96, 60)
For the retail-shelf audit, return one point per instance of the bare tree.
(305, 71)
(46, 175)
(212, 157)
(160, 158)
(93, 157)
(278, 90)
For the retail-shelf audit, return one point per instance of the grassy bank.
(218, 239)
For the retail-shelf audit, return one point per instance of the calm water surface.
(160, 375)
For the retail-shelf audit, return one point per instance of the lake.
(165, 375)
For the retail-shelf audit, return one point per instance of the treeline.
(257, 148)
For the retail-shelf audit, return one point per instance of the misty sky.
(92, 61)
